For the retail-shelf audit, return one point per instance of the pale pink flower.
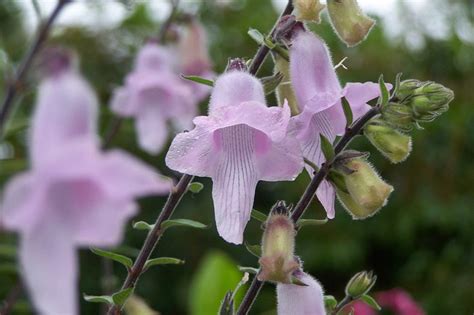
(318, 93)
(155, 95)
(241, 142)
(299, 299)
(397, 301)
(73, 196)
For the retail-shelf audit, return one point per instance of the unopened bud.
(236, 64)
(360, 284)
(367, 192)
(349, 22)
(308, 10)
(284, 91)
(394, 145)
(399, 116)
(278, 245)
(406, 88)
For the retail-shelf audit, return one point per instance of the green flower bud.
(367, 192)
(399, 116)
(308, 10)
(278, 245)
(394, 145)
(360, 284)
(407, 88)
(349, 22)
(284, 91)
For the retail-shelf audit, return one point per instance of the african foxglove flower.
(318, 93)
(294, 299)
(397, 301)
(241, 142)
(154, 95)
(73, 195)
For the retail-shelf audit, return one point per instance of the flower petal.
(327, 195)
(151, 129)
(154, 57)
(311, 70)
(358, 94)
(121, 103)
(234, 181)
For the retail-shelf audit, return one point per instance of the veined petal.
(235, 87)
(151, 129)
(234, 181)
(49, 264)
(66, 110)
(311, 70)
(301, 300)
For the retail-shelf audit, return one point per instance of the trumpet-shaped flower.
(154, 94)
(241, 142)
(318, 93)
(73, 196)
(305, 299)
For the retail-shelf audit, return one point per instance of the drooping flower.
(154, 95)
(318, 93)
(305, 299)
(241, 142)
(73, 195)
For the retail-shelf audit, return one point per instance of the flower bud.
(308, 10)
(284, 91)
(360, 284)
(394, 145)
(278, 245)
(236, 64)
(398, 116)
(349, 22)
(367, 192)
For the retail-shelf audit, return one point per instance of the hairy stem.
(18, 81)
(308, 196)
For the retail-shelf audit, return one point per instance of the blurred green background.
(422, 241)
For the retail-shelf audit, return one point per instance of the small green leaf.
(308, 222)
(330, 302)
(198, 79)
(121, 297)
(255, 250)
(98, 299)
(384, 95)
(142, 225)
(256, 36)
(163, 261)
(182, 222)
(397, 84)
(259, 216)
(8, 251)
(195, 187)
(250, 270)
(367, 299)
(327, 148)
(271, 83)
(124, 260)
(346, 107)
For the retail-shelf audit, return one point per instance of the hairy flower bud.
(360, 284)
(367, 192)
(399, 116)
(394, 145)
(278, 245)
(308, 10)
(349, 22)
(284, 91)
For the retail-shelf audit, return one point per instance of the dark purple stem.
(16, 84)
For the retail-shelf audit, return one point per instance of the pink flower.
(73, 196)
(301, 300)
(319, 94)
(155, 95)
(241, 142)
(397, 301)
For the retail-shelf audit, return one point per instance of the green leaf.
(255, 250)
(327, 148)
(182, 222)
(163, 261)
(384, 95)
(8, 251)
(198, 79)
(142, 225)
(121, 297)
(330, 302)
(216, 275)
(271, 83)
(256, 36)
(259, 216)
(98, 299)
(367, 299)
(124, 260)
(250, 270)
(195, 187)
(346, 107)
(308, 222)
(397, 84)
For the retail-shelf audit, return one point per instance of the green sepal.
(370, 301)
(162, 261)
(346, 107)
(384, 95)
(255, 250)
(327, 148)
(259, 216)
(198, 79)
(182, 222)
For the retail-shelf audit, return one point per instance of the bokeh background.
(422, 241)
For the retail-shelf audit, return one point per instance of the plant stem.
(308, 196)
(17, 83)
